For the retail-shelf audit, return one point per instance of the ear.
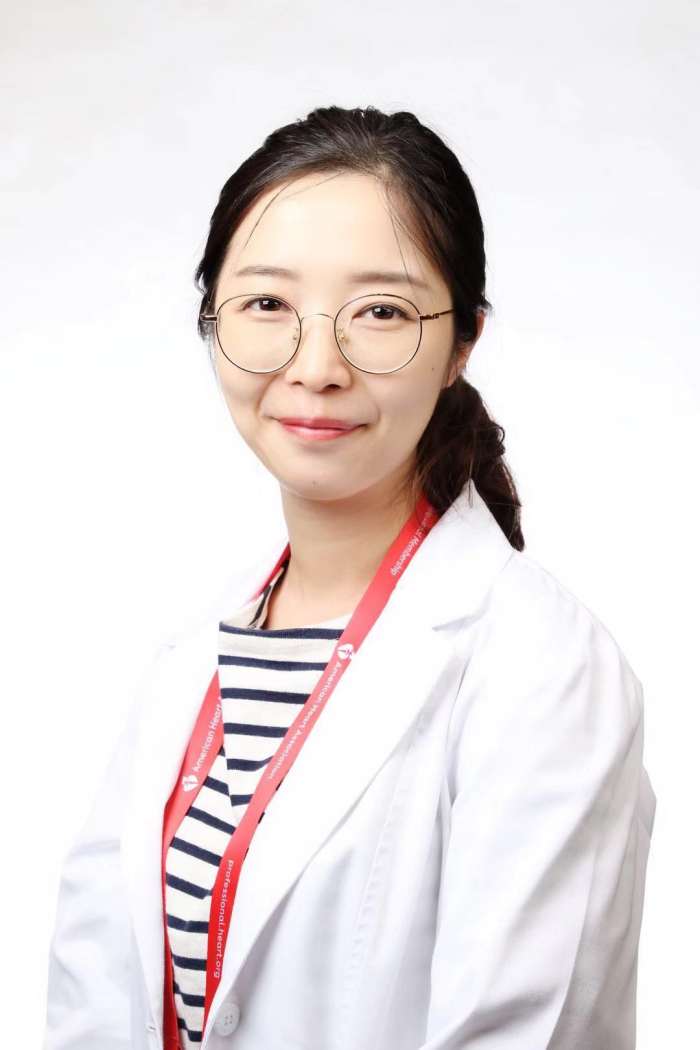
(463, 352)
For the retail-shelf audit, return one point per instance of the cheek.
(416, 396)
(406, 409)
(242, 390)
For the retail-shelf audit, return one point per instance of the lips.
(316, 431)
(318, 423)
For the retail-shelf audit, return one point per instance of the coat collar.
(448, 579)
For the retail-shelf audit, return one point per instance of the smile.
(319, 433)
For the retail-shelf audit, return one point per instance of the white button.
(227, 1019)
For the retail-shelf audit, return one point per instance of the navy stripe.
(247, 765)
(197, 851)
(243, 729)
(213, 822)
(271, 665)
(188, 925)
(217, 785)
(188, 963)
(272, 695)
(187, 998)
(186, 887)
(240, 800)
(195, 1037)
(286, 632)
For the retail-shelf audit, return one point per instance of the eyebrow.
(357, 277)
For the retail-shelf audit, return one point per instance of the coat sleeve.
(541, 894)
(89, 976)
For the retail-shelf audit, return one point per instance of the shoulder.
(542, 663)
(530, 608)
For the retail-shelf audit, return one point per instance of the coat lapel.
(391, 677)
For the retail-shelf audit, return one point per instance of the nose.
(317, 360)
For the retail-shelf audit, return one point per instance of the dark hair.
(461, 440)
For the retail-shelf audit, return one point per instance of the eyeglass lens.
(377, 333)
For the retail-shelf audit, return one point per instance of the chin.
(315, 487)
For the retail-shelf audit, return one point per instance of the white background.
(128, 495)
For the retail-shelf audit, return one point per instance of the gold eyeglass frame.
(269, 295)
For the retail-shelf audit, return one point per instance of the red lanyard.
(208, 736)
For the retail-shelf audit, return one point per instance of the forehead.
(327, 229)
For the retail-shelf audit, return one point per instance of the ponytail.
(463, 442)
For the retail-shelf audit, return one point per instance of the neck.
(338, 545)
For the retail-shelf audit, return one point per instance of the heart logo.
(346, 652)
(189, 783)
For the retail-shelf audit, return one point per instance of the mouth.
(319, 429)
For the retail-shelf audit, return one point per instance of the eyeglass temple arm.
(431, 317)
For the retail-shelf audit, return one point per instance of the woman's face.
(324, 230)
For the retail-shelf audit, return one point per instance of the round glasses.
(376, 333)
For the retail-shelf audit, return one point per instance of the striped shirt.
(266, 677)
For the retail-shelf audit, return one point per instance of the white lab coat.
(455, 861)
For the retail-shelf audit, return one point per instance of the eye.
(268, 304)
(384, 312)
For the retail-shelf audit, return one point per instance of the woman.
(457, 857)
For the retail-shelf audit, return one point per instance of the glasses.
(376, 333)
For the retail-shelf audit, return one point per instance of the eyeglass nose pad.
(295, 334)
